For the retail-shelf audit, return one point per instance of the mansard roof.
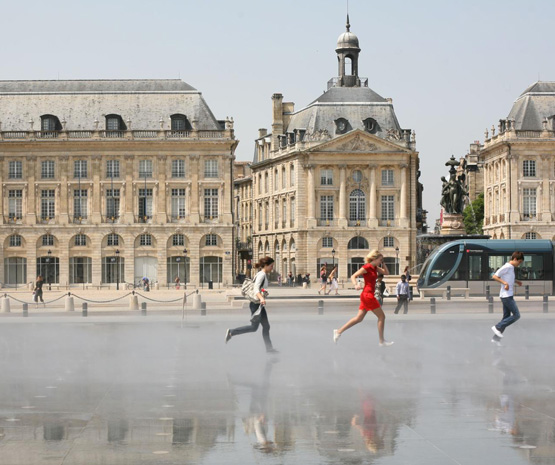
(535, 104)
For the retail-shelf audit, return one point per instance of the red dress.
(367, 299)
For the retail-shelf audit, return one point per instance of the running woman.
(368, 301)
(258, 310)
(506, 277)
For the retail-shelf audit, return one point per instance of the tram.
(471, 264)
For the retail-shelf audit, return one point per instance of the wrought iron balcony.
(356, 223)
(143, 219)
(326, 221)
(110, 219)
(13, 219)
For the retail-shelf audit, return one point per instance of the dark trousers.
(38, 295)
(262, 320)
(510, 313)
(404, 302)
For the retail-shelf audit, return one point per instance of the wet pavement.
(153, 392)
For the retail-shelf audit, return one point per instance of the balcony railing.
(209, 219)
(109, 134)
(46, 220)
(112, 134)
(143, 219)
(110, 219)
(244, 246)
(326, 222)
(12, 219)
(177, 218)
(357, 222)
(528, 217)
(47, 134)
(388, 223)
(79, 219)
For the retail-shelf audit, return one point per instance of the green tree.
(473, 216)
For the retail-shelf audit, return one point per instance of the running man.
(368, 301)
(506, 277)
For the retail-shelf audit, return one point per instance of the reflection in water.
(53, 431)
(368, 424)
(117, 430)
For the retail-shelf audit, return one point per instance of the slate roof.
(535, 104)
(103, 85)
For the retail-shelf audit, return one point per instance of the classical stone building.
(335, 178)
(105, 182)
(515, 168)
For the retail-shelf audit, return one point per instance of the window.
(15, 240)
(326, 207)
(80, 240)
(326, 177)
(260, 216)
(80, 169)
(210, 168)
(293, 211)
(370, 125)
(145, 204)
(528, 235)
(388, 207)
(211, 240)
(47, 204)
(80, 203)
(276, 214)
(15, 170)
(389, 241)
(145, 168)
(180, 123)
(178, 168)
(292, 175)
(48, 240)
(80, 270)
(358, 242)
(284, 212)
(115, 123)
(529, 203)
(283, 179)
(276, 180)
(387, 177)
(178, 203)
(145, 240)
(357, 206)
(210, 203)
(341, 126)
(178, 240)
(475, 268)
(15, 270)
(529, 168)
(357, 176)
(112, 203)
(112, 240)
(112, 168)
(113, 269)
(50, 123)
(266, 183)
(327, 242)
(47, 169)
(15, 204)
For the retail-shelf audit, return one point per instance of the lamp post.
(185, 268)
(117, 269)
(397, 260)
(48, 270)
(333, 258)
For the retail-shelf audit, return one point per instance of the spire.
(348, 25)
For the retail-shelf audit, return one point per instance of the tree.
(473, 216)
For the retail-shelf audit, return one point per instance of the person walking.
(506, 277)
(402, 292)
(258, 309)
(290, 279)
(177, 282)
(368, 302)
(406, 272)
(380, 289)
(38, 291)
(323, 278)
(332, 280)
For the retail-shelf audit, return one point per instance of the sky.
(452, 68)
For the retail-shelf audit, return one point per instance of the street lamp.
(117, 269)
(333, 257)
(48, 270)
(185, 268)
(397, 260)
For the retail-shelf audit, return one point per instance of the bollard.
(448, 292)
(6, 304)
(527, 292)
(133, 302)
(25, 309)
(490, 304)
(197, 302)
(203, 308)
(85, 308)
(545, 304)
(320, 307)
(143, 308)
(411, 293)
(433, 305)
(487, 292)
(69, 305)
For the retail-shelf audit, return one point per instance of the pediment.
(358, 142)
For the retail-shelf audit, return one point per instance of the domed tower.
(347, 57)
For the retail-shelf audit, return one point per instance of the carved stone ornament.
(321, 134)
(393, 134)
(357, 144)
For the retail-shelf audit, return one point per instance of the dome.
(347, 40)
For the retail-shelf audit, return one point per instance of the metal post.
(545, 303)
(433, 305)
(85, 308)
(527, 292)
(25, 309)
(143, 308)
(203, 308)
(320, 307)
(490, 304)
(448, 292)
(487, 292)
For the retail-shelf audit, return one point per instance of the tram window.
(496, 262)
(475, 268)
(443, 265)
(531, 268)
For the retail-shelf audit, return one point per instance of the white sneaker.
(386, 343)
(336, 335)
(227, 335)
(496, 331)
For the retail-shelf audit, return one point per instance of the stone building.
(515, 168)
(105, 182)
(335, 178)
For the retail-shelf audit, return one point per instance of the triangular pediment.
(358, 142)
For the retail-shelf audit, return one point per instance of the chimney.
(262, 132)
(277, 119)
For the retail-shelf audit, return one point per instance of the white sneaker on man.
(496, 331)
(336, 335)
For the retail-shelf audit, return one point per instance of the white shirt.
(260, 281)
(507, 274)
(402, 288)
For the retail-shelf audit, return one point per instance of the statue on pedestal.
(453, 196)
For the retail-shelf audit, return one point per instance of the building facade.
(107, 182)
(335, 179)
(515, 168)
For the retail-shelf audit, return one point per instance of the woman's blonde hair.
(373, 255)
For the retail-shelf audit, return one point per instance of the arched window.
(358, 242)
(528, 235)
(80, 240)
(48, 240)
(211, 240)
(370, 125)
(357, 206)
(145, 240)
(15, 240)
(178, 240)
(115, 123)
(50, 123)
(342, 126)
(180, 123)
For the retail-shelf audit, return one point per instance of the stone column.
(372, 220)
(311, 197)
(342, 197)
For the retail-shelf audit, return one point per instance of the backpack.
(247, 291)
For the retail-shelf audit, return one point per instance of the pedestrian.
(380, 289)
(37, 291)
(406, 272)
(300, 280)
(279, 280)
(177, 282)
(332, 279)
(506, 277)
(307, 279)
(402, 292)
(290, 279)
(323, 278)
(368, 302)
(258, 309)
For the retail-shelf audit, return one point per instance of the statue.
(453, 192)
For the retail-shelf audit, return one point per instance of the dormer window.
(115, 123)
(180, 123)
(342, 126)
(370, 125)
(50, 123)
